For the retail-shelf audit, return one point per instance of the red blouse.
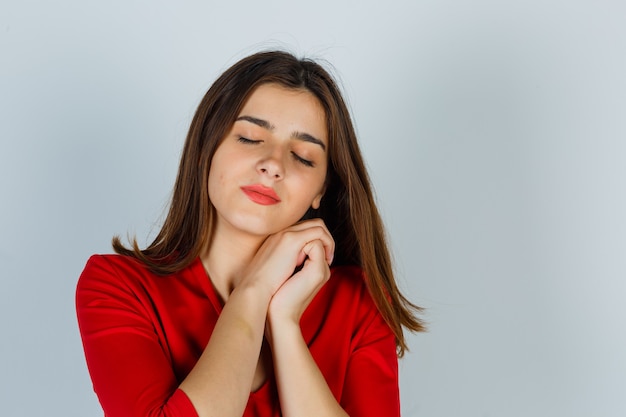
(143, 333)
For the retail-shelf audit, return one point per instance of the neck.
(227, 256)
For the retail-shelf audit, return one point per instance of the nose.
(272, 165)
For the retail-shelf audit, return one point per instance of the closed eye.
(303, 161)
(297, 157)
(248, 141)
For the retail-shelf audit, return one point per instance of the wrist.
(252, 297)
(283, 326)
(256, 289)
(280, 319)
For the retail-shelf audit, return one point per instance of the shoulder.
(113, 266)
(349, 276)
(113, 261)
(344, 309)
(348, 281)
(113, 275)
(347, 295)
(124, 276)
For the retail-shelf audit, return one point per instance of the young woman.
(269, 289)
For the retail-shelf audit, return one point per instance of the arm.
(369, 383)
(219, 384)
(132, 373)
(302, 389)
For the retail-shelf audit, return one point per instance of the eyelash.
(248, 141)
(303, 161)
(297, 157)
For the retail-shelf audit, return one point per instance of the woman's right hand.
(280, 254)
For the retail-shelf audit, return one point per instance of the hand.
(280, 254)
(294, 296)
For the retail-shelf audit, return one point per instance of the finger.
(314, 250)
(316, 259)
(314, 229)
(306, 224)
(327, 247)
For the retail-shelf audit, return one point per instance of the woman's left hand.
(293, 297)
(302, 388)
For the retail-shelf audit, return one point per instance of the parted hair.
(348, 206)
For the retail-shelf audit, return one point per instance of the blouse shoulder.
(348, 276)
(114, 267)
(349, 281)
(346, 296)
(110, 262)
(106, 276)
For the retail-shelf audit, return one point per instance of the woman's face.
(271, 166)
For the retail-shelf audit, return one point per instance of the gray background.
(494, 132)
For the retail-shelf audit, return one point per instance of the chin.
(258, 223)
(259, 227)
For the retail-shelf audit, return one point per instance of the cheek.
(321, 183)
(218, 170)
(215, 180)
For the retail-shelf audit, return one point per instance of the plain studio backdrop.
(495, 135)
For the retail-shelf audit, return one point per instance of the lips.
(261, 194)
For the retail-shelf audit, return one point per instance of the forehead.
(287, 110)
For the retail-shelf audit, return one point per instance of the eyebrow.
(259, 122)
(308, 138)
(305, 137)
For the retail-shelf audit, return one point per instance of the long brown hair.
(348, 207)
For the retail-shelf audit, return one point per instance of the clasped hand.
(306, 246)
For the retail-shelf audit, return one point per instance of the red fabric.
(142, 334)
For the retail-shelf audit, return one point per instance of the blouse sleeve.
(130, 373)
(371, 385)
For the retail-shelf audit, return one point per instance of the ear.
(317, 200)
